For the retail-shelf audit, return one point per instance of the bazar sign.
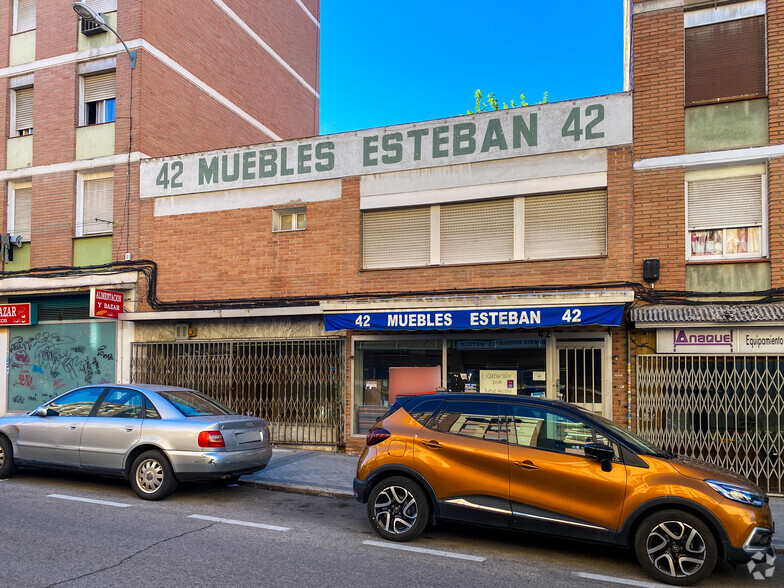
(18, 314)
(476, 319)
(105, 303)
(730, 340)
(544, 128)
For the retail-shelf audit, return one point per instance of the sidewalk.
(307, 472)
(332, 474)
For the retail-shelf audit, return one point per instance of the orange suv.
(554, 468)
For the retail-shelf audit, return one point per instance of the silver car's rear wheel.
(152, 477)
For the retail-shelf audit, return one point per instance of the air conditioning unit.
(90, 29)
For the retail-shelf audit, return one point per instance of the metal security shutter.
(24, 109)
(25, 16)
(58, 308)
(22, 212)
(725, 203)
(396, 238)
(103, 6)
(725, 60)
(566, 225)
(477, 232)
(100, 87)
(98, 203)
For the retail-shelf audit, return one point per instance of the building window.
(290, 219)
(95, 204)
(98, 92)
(24, 16)
(725, 52)
(22, 112)
(725, 214)
(19, 209)
(522, 228)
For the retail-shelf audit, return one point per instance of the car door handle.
(72, 427)
(432, 444)
(526, 465)
(128, 429)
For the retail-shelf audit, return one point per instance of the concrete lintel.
(226, 313)
(729, 156)
(32, 284)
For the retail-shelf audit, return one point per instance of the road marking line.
(423, 550)
(241, 523)
(626, 581)
(91, 500)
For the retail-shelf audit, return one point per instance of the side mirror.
(599, 451)
(41, 411)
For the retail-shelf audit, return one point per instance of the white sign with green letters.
(602, 121)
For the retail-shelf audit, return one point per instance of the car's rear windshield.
(191, 403)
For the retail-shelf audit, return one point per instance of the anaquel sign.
(106, 303)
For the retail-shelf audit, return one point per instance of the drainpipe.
(628, 379)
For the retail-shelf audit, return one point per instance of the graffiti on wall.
(46, 360)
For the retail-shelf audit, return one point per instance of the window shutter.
(477, 232)
(23, 198)
(103, 6)
(566, 225)
(725, 60)
(396, 238)
(25, 16)
(725, 203)
(24, 109)
(100, 87)
(98, 203)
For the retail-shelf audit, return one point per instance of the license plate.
(247, 437)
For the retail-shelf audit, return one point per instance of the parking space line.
(451, 554)
(240, 523)
(91, 500)
(614, 580)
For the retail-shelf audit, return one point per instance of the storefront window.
(499, 366)
(46, 360)
(412, 366)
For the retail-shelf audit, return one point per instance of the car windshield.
(191, 403)
(639, 444)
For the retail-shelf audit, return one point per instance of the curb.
(301, 489)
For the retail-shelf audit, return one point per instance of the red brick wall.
(54, 140)
(775, 21)
(53, 213)
(213, 48)
(658, 83)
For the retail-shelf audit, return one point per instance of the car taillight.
(377, 436)
(211, 439)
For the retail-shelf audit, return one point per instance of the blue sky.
(391, 62)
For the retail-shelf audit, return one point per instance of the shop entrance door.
(581, 375)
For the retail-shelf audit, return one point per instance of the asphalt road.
(210, 536)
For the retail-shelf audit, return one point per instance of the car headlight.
(737, 493)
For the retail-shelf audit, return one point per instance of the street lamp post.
(89, 14)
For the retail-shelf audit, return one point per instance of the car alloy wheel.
(676, 547)
(395, 509)
(398, 509)
(151, 476)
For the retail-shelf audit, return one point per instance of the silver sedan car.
(154, 436)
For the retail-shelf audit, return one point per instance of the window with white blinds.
(20, 204)
(566, 225)
(97, 205)
(725, 216)
(99, 98)
(396, 238)
(103, 6)
(477, 232)
(24, 15)
(23, 120)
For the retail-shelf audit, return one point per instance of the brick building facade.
(79, 120)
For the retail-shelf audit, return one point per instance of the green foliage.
(491, 102)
